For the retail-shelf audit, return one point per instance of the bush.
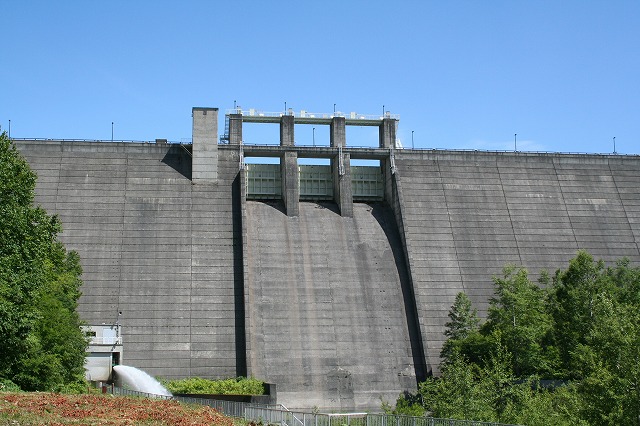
(7, 385)
(79, 387)
(237, 386)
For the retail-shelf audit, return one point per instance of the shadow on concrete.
(332, 207)
(279, 205)
(385, 217)
(178, 159)
(238, 279)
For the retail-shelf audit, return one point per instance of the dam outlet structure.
(334, 280)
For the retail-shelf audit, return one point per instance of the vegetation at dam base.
(43, 347)
(196, 385)
(565, 352)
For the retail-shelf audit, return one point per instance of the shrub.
(197, 385)
(7, 385)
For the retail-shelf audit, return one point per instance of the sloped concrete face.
(153, 246)
(325, 306)
(466, 215)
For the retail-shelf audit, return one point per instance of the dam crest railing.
(188, 141)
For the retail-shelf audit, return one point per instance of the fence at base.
(276, 414)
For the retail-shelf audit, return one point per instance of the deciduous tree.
(42, 344)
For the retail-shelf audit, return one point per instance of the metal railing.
(188, 141)
(105, 340)
(182, 141)
(281, 417)
(307, 114)
(278, 414)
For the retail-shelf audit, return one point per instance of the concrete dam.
(333, 282)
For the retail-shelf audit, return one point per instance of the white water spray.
(140, 381)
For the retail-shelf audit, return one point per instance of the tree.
(457, 393)
(519, 314)
(572, 298)
(464, 322)
(43, 346)
(609, 361)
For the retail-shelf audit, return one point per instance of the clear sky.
(564, 74)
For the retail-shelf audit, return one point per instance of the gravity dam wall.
(157, 251)
(341, 305)
(466, 214)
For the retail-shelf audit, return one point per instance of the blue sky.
(563, 75)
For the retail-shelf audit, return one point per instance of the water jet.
(138, 380)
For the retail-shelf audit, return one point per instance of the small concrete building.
(104, 351)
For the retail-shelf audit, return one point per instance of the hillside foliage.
(565, 351)
(43, 347)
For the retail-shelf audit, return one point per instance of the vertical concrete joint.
(388, 132)
(290, 183)
(235, 129)
(205, 145)
(286, 130)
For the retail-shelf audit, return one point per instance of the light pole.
(9, 129)
(334, 109)
(112, 131)
(412, 146)
(614, 138)
(314, 136)
(515, 142)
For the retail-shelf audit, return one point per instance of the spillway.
(326, 311)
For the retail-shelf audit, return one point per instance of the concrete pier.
(287, 130)
(235, 129)
(290, 183)
(388, 133)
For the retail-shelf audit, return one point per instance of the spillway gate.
(264, 182)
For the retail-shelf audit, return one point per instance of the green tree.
(463, 323)
(519, 314)
(573, 293)
(609, 362)
(457, 393)
(42, 345)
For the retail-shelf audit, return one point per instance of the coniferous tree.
(463, 323)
